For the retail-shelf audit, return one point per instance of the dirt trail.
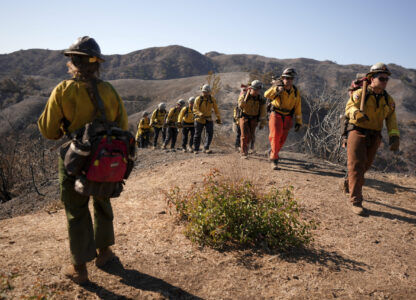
(351, 257)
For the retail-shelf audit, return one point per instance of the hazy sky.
(362, 32)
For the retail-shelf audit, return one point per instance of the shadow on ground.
(137, 280)
(330, 260)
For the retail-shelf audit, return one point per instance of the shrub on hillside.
(222, 213)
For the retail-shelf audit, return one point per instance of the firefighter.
(365, 127)
(253, 110)
(143, 131)
(236, 127)
(204, 104)
(285, 106)
(156, 122)
(171, 125)
(68, 109)
(186, 122)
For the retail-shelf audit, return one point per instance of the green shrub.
(222, 213)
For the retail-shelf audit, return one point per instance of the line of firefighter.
(70, 107)
(192, 119)
(364, 123)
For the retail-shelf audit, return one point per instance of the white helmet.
(145, 113)
(379, 68)
(289, 72)
(162, 106)
(191, 100)
(206, 88)
(256, 85)
(181, 102)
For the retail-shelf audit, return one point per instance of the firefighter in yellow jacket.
(68, 109)
(253, 110)
(365, 126)
(186, 122)
(143, 131)
(157, 121)
(285, 105)
(204, 104)
(171, 124)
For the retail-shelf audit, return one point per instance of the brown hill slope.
(351, 257)
(179, 62)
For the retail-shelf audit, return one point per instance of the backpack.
(100, 155)
(355, 85)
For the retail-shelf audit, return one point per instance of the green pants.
(84, 239)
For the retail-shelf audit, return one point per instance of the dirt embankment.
(351, 257)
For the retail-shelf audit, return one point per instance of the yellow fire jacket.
(253, 107)
(186, 115)
(376, 112)
(70, 100)
(173, 116)
(203, 109)
(236, 118)
(158, 118)
(285, 102)
(144, 126)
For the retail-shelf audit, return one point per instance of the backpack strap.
(98, 101)
(385, 95)
(296, 90)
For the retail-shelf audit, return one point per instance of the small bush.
(222, 213)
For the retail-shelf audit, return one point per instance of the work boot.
(77, 273)
(184, 150)
(105, 255)
(358, 209)
(163, 147)
(207, 151)
(345, 186)
(275, 164)
(154, 148)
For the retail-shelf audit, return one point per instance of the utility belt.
(243, 115)
(365, 131)
(280, 111)
(282, 115)
(187, 125)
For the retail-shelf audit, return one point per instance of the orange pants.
(279, 129)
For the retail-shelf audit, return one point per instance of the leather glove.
(297, 127)
(360, 116)
(218, 121)
(394, 142)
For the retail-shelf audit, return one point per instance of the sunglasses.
(383, 79)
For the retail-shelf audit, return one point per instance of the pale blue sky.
(362, 32)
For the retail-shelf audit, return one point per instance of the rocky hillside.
(160, 63)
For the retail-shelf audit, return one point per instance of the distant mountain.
(152, 63)
(174, 62)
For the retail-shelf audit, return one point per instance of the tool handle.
(364, 91)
